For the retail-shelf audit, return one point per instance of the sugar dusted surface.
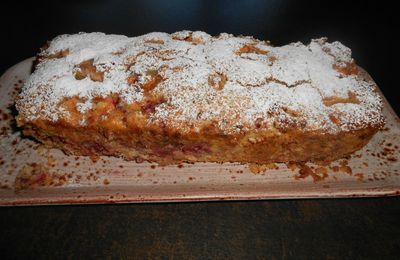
(264, 85)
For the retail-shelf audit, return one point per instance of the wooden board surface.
(31, 175)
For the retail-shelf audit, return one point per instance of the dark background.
(327, 229)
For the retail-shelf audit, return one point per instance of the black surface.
(304, 229)
(327, 229)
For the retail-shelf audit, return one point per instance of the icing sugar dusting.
(234, 82)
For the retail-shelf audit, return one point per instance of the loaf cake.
(192, 97)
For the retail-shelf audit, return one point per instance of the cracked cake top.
(237, 83)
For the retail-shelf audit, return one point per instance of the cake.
(192, 97)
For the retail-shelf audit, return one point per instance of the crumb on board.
(317, 174)
(261, 168)
(360, 176)
(292, 166)
(34, 175)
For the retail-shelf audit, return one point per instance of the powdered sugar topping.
(233, 82)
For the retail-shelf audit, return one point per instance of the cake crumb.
(292, 166)
(318, 174)
(35, 174)
(346, 169)
(360, 176)
(261, 168)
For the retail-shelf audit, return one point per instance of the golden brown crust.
(166, 146)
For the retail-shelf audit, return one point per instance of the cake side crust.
(169, 147)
